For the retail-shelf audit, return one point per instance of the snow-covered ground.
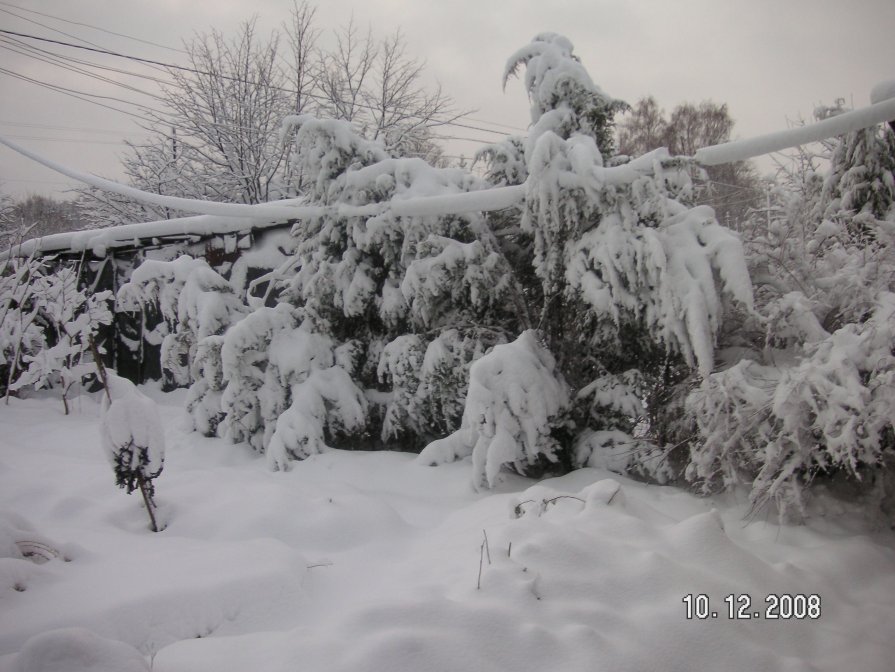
(370, 562)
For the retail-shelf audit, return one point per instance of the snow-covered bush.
(776, 428)
(515, 411)
(813, 400)
(244, 361)
(444, 378)
(180, 302)
(399, 369)
(69, 317)
(133, 439)
(204, 398)
(325, 403)
(20, 333)
(280, 387)
(194, 306)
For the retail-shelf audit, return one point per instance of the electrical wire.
(52, 127)
(73, 140)
(90, 64)
(77, 94)
(55, 30)
(181, 51)
(171, 66)
(159, 116)
(88, 25)
(56, 62)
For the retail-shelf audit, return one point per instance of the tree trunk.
(147, 499)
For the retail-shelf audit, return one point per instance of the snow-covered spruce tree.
(244, 362)
(69, 317)
(388, 287)
(308, 400)
(633, 284)
(205, 394)
(813, 401)
(132, 438)
(206, 308)
(284, 391)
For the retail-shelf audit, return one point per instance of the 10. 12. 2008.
(741, 607)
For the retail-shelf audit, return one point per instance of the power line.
(231, 127)
(88, 25)
(177, 50)
(73, 140)
(53, 127)
(436, 122)
(156, 116)
(78, 95)
(90, 64)
(55, 30)
(24, 51)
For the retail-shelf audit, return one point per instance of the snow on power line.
(847, 122)
(499, 197)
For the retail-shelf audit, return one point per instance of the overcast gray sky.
(769, 60)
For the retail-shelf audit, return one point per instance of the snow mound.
(78, 650)
(369, 562)
(578, 579)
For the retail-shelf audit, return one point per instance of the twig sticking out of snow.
(483, 550)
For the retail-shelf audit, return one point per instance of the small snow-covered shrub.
(283, 390)
(133, 439)
(778, 428)
(515, 407)
(444, 378)
(204, 398)
(399, 368)
(245, 360)
(326, 402)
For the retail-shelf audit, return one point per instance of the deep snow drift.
(370, 562)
